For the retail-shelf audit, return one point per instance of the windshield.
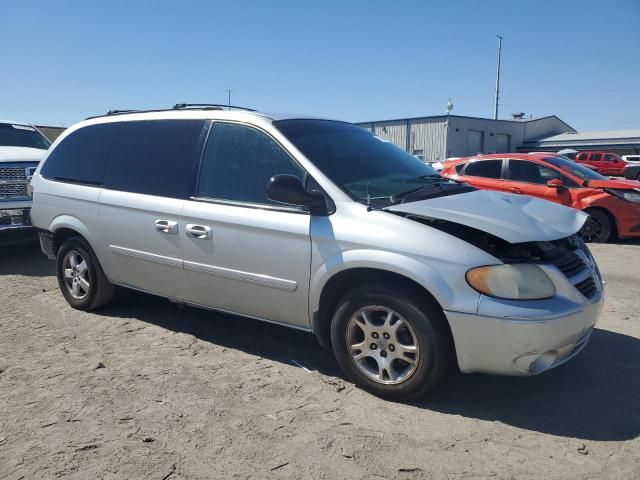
(363, 165)
(576, 169)
(14, 135)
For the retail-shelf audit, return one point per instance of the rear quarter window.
(81, 156)
(156, 157)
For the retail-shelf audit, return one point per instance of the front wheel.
(391, 343)
(597, 228)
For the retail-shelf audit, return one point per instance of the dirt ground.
(145, 389)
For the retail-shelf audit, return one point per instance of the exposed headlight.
(628, 195)
(519, 281)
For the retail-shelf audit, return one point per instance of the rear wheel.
(392, 343)
(597, 228)
(80, 277)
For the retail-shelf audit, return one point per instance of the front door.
(530, 178)
(242, 252)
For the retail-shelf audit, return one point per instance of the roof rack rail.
(209, 106)
(120, 112)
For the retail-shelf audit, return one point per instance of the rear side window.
(238, 163)
(81, 156)
(155, 157)
(484, 168)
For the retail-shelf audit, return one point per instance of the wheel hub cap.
(382, 344)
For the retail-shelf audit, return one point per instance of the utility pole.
(228, 90)
(495, 110)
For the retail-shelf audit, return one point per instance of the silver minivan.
(320, 226)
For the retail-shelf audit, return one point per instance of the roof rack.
(209, 106)
(177, 106)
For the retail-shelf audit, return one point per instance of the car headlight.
(519, 281)
(628, 195)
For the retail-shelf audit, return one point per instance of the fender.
(414, 269)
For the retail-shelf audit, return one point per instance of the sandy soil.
(145, 389)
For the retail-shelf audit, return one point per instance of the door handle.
(515, 190)
(167, 226)
(198, 231)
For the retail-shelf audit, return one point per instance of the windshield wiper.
(424, 177)
(398, 197)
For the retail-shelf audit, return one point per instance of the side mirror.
(288, 189)
(555, 183)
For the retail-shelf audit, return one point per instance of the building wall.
(51, 132)
(439, 137)
(459, 142)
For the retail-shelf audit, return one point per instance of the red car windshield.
(574, 169)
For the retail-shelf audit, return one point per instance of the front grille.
(13, 173)
(570, 256)
(12, 190)
(570, 263)
(587, 287)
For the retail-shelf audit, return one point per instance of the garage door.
(503, 143)
(475, 142)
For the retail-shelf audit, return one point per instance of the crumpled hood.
(21, 154)
(617, 184)
(514, 218)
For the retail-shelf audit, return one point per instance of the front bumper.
(14, 218)
(519, 345)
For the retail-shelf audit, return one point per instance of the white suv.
(321, 226)
(21, 147)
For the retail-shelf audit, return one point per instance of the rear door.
(150, 172)
(242, 252)
(530, 178)
(485, 174)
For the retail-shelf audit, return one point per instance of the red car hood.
(618, 184)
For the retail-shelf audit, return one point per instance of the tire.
(598, 227)
(424, 328)
(80, 277)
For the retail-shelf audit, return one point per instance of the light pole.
(495, 109)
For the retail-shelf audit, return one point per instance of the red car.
(613, 205)
(605, 163)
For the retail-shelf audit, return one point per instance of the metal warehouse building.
(622, 142)
(439, 137)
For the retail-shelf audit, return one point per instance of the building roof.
(431, 117)
(604, 137)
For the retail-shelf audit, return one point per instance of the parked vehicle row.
(613, 205)
(321, 226)
(21, 148)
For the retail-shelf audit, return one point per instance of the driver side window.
(531, 172)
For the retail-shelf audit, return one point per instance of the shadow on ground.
(596, 396)
(22, 256)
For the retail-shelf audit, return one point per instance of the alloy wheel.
(76, 274)
(382, 344)
(592, 230)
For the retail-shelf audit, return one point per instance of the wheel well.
(338, 285)
(612, 219)
(59, 236)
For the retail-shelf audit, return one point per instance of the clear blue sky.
(355, 60)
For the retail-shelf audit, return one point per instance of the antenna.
(495, 109)
(228, 90)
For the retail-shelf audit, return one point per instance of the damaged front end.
(570, 254)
